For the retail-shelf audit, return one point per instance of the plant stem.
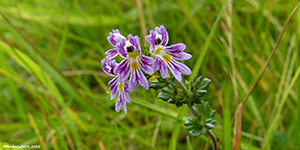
(192, 110)
(209, 132)
(213, 139)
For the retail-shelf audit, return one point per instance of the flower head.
(133, 63)
(166, 56)
(115, 85)
(114, 38)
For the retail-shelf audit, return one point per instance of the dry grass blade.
(238, 129)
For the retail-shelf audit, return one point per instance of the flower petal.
(182, 68)
(127, 97)
(132, 81)
(112, 53)
(180, 55)
(108, 66)
(111, 40)
(174, 71)
(119, 103)
(151, 39)
(135, 42)
(145, 64)
(124, 103)
(113, 86)
(121, 48)
(165, 35)
(179, 47)
(105, 67)
(143, 82)
(156, 65)
(114, 37)
(163, 69)
(123, 70)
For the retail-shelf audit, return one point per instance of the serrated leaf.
(209, 126)
(163, 96)
(204, 84)
(212, 114)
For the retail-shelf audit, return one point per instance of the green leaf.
(189, 128)
(191, 118)
(208, 120)
(204, 84)
(212, 114)
(188, 123)
(189, 144)
(209, 126)
(193, 80)
(206, 107)
(204, 130)
(157, 85)
(195, 132)
(167, 90)
(201, 92)
(198, 81)
(163, 96)
(281, 138)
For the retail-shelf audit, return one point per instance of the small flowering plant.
(149, 67)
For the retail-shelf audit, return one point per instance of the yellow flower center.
(157, 50)
(167, 58)
(135, 65)
(133, 55)
(121, 87)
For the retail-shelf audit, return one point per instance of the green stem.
(213, 139)
(192, 110)
(209, 132)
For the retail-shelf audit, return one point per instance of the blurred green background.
(53, 92)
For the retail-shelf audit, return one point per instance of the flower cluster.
(130, 71)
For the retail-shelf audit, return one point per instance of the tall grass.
(53, 92)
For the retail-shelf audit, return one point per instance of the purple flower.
(115, 85)
(166, 56)
(114, 38)
(133, 63)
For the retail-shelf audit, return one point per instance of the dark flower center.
(111, 71)
(157, 41)
(130, 49)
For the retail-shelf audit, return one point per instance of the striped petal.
(142, 80)
(132, 81)
(123, 70)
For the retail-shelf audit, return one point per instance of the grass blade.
(206, 44)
